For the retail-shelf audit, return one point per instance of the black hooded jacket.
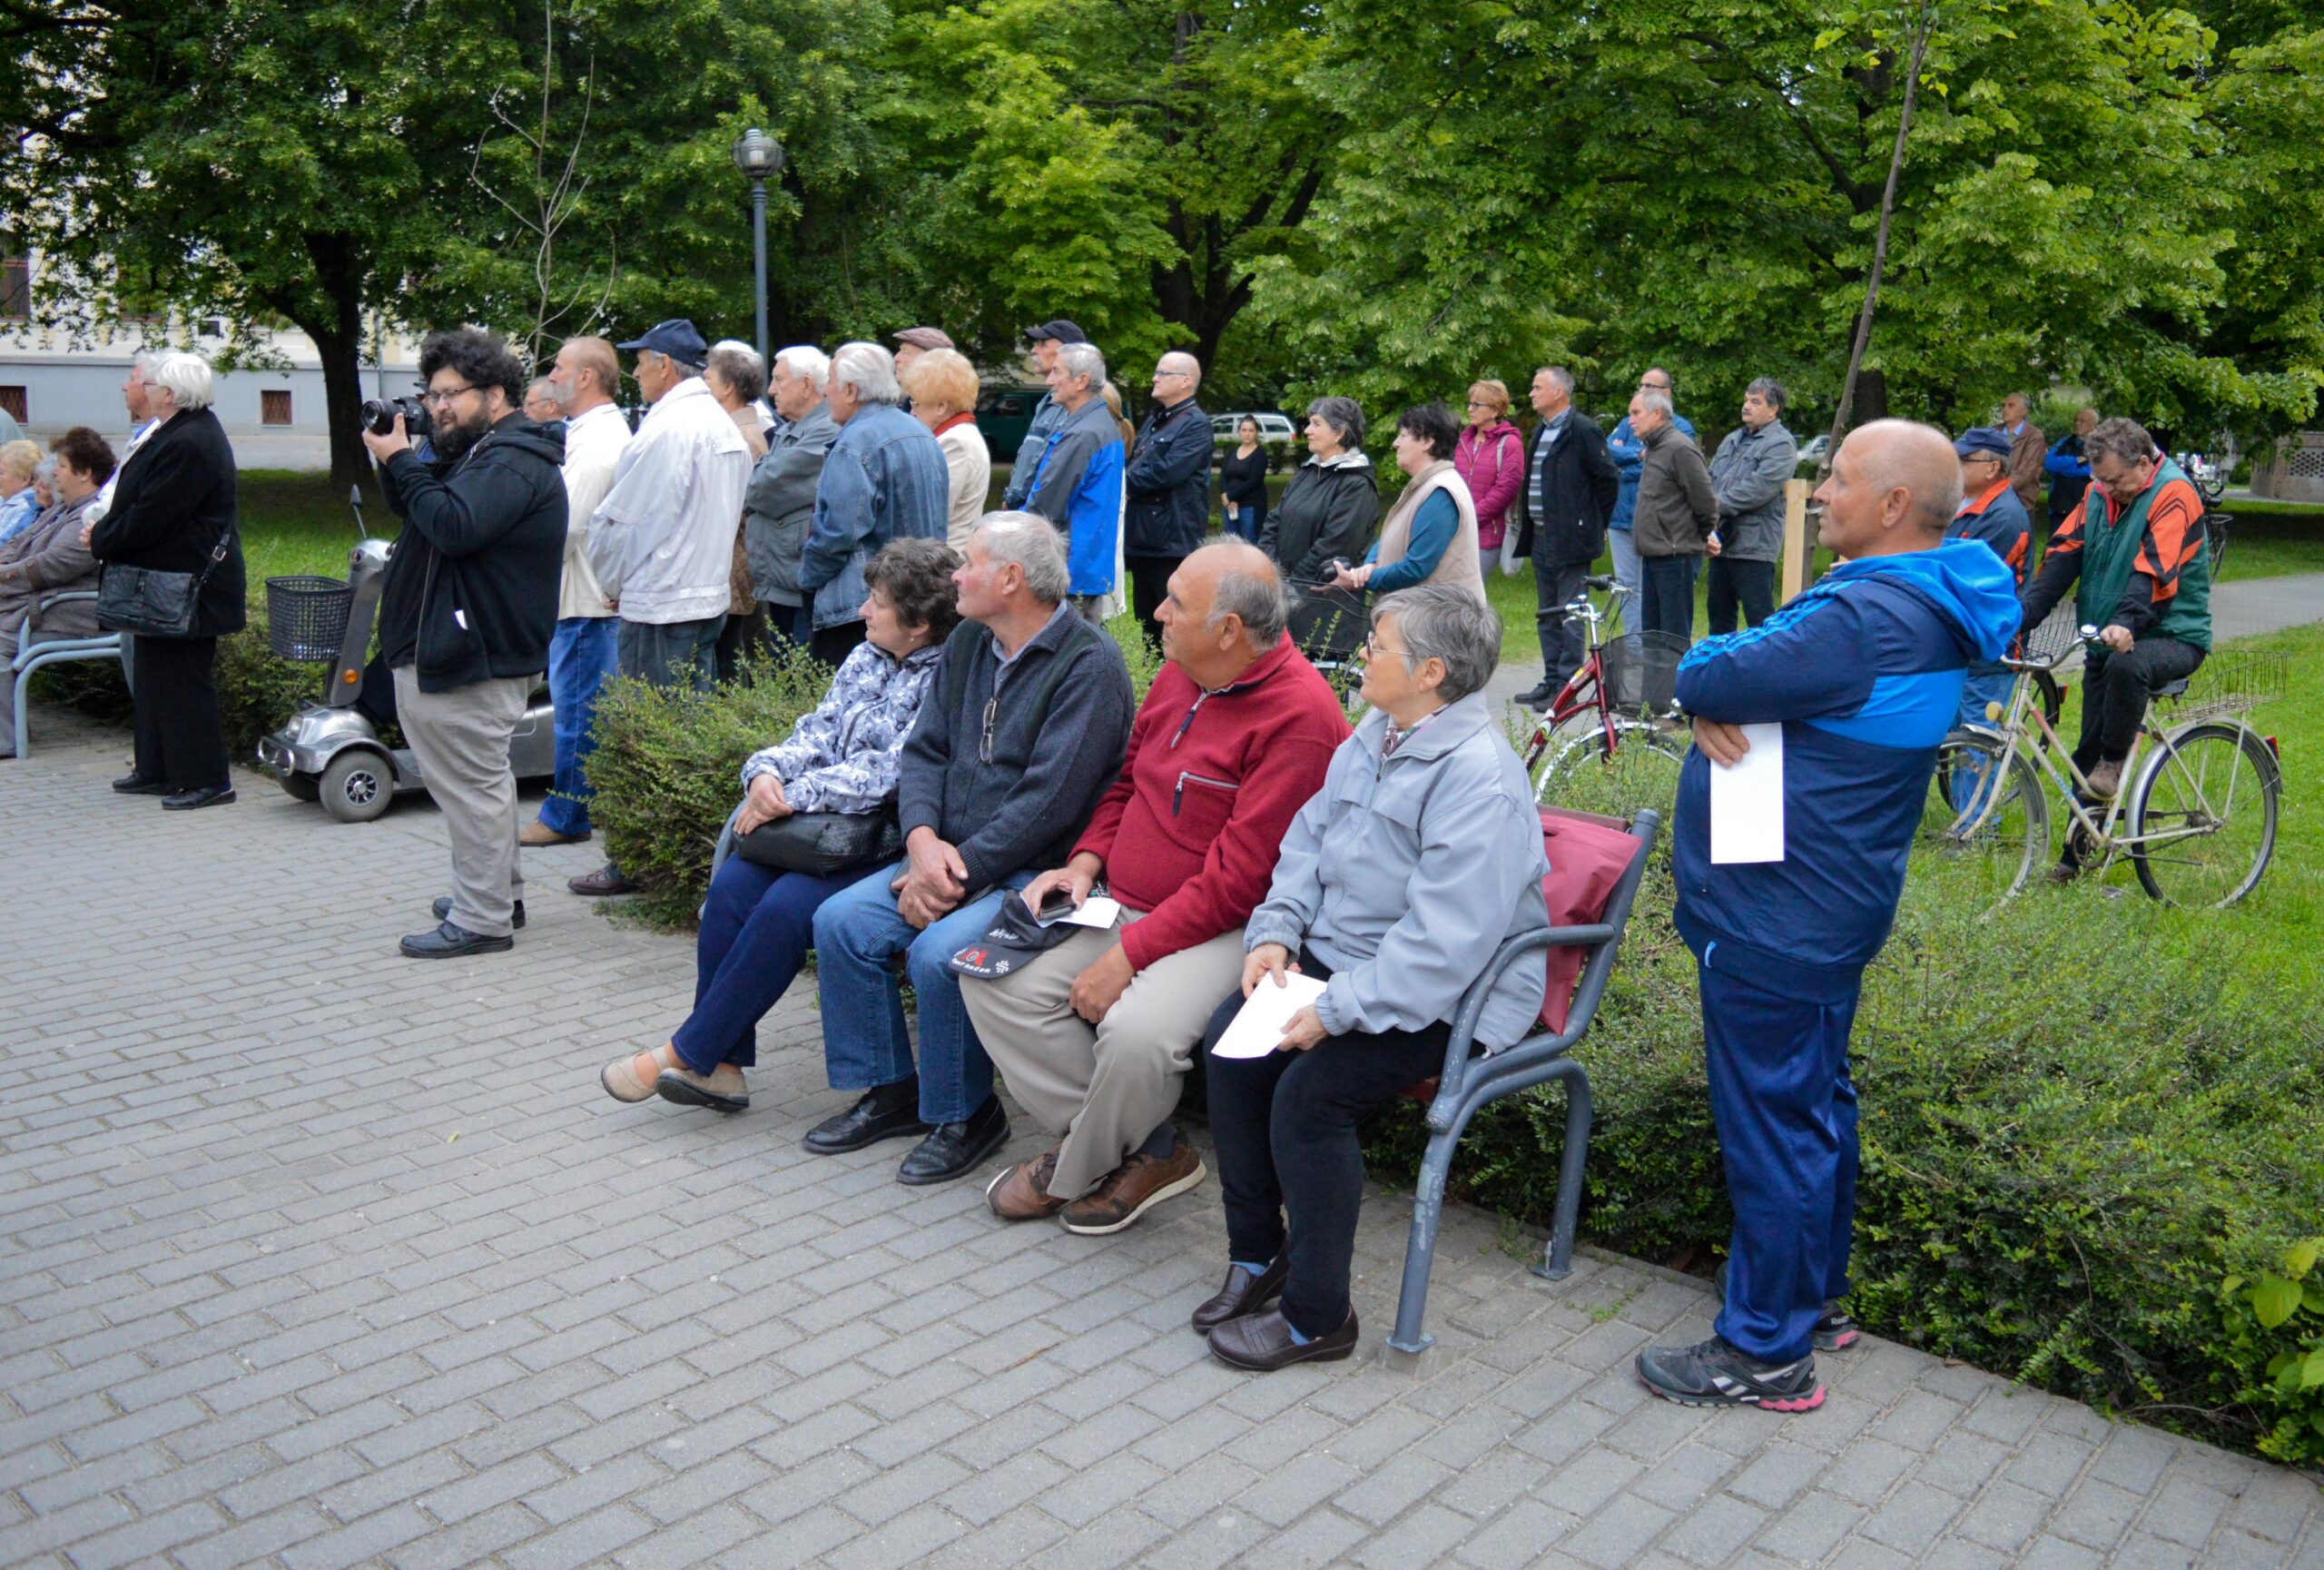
(471, 589)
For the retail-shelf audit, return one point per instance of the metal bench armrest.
(47, 600)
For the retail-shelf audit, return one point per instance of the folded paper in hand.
(1258, 1026)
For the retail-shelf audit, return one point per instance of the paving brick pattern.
(313, 1257)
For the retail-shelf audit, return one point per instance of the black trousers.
(180, 739)
(1750, 585)
(1149, 581)
(1557, 584)
(1285, 1129)
(2115, 694)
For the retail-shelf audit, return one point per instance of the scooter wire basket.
(306, 617)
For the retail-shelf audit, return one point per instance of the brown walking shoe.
(537, 833)
(2106, 779)
(1132, 1188)
(1021, 1192)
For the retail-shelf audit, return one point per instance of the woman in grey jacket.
(1396, 885)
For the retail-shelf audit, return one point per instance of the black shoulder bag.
(151, 603)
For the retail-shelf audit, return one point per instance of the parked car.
(1812, 451)
(1004, 411)
(1275, 430)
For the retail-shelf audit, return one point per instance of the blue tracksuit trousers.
(1786, 1113)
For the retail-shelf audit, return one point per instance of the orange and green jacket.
(2145, 566)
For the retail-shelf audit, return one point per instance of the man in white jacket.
(582, 654)
(661, 542)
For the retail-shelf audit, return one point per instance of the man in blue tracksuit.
(1865, 673)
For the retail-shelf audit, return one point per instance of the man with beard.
(467, 614)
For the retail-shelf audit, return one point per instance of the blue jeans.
(1786, 1112)
(581, 656)
(1624, 547)
(857, 932)
(755, 928)
(675, 654)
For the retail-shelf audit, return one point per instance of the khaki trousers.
(1104, 1086)
(461, 739)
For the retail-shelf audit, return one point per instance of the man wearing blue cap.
(1048, 414)
(661, 543)
(1990, 511)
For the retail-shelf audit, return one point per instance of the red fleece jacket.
(1190, 829)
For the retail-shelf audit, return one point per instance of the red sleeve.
(1240, 864)
(1098, 839)
(2174, 533)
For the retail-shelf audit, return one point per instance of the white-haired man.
(663, 540)
(1077, 483)
(883, 478)
(136, 396)
(781, 501)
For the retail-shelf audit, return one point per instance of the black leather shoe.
(954, 1150)
(443, 909)
(449, 942)
(1262, 1343)
(130, 784)
(1242, 1294)
(205, 796)
(885, 1112)
(1540, 696)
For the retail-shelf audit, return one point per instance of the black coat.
(1167, 477)
(1325, 515)
(171, 503)
(471, 589)
(1578, 485)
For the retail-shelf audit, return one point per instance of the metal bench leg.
(1420, 1251)
(1557, 1262)
(24, 730)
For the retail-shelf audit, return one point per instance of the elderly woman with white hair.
(883, 478)
(172, 511)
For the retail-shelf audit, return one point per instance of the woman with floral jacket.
(843, 757)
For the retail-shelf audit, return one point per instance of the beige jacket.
(969, 463)
(1460, 565)
(593, 444)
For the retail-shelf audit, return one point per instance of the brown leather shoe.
(1021, 1192)
(1243, 1293)
(1131, 1189)
(606, 880)
(2106, 780)
(1262, 1343)
(537, 833)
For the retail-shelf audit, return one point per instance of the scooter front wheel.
(358, 785)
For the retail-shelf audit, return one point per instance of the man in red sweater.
(1094, 1034)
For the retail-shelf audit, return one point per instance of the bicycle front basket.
(1641, 677)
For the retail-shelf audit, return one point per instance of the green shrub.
(667, 770)
(256, 691)
(2078, 1125)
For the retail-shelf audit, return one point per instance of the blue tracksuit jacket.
(1865, 672)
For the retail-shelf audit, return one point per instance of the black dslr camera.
(379, 417)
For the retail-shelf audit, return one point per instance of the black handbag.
(151, 603)
(823, 842)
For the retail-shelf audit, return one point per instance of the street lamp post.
(759, 156)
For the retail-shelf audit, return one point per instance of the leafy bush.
(256, 691)
(667, 770)
(2079, 1126)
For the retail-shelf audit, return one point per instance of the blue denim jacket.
(883, 478)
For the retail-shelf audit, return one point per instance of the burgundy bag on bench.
(1588, 857)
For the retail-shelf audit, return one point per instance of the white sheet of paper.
(1099, 911)
(1747, 802)
(1258, 1026)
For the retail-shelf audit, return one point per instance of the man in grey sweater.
(1022, 735)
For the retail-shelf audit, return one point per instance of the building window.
(12, 401)
(274, 408)
(15, 287)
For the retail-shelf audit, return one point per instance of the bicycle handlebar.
(2088, 635)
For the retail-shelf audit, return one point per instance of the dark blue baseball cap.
(1982, 441)
(1062, 331)
(675, 338)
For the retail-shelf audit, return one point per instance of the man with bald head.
(1094, 1033)
(1864, 673)
(1168, 485)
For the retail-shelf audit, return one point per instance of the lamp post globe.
(760, 157)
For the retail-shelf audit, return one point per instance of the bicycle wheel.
(2205, 809)
(1638, 768)
(1985, 825)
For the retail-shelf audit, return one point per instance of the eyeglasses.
(443, 399)
(991, 709)
(1479, 403)
(1371, 647)
(1160, 374)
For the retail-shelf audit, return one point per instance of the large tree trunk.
(341, 269)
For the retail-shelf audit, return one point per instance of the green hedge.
(256, 691)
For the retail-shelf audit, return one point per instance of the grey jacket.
(1047, 415)
(1677, 509)
(49, 558)
(1405, 876)
(1747, 476)
(781, 502)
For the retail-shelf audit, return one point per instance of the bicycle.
(2196, 812)
(1628, 749)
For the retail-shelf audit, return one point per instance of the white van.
(1275, 429)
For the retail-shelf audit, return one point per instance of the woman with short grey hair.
(1328, 514)
(1434, 859)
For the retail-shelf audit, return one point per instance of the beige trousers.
(1104, 1086)
(461, 739)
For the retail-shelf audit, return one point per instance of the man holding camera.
(466, 613)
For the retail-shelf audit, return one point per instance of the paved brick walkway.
(312, 1256)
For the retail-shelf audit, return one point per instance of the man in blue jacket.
(1077, 479)
(1865, 673)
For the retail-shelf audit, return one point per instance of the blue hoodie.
(1865, 673)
